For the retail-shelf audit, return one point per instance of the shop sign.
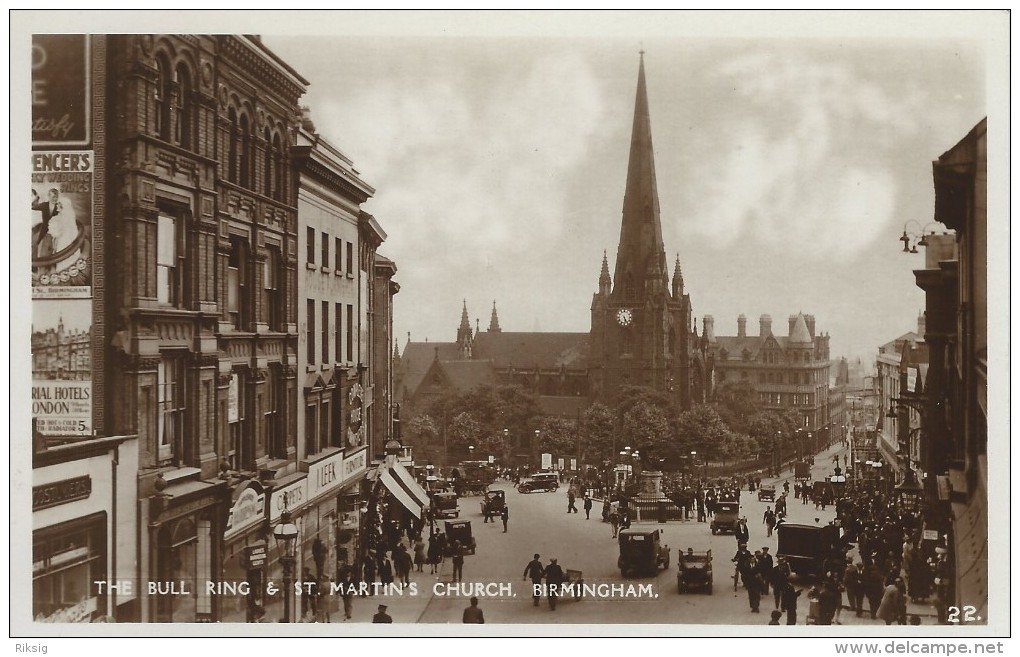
(546, 461)
(61, 218)
(233, 402)
(325, 475)
(355, 410)
(573, 464)
(289, 497)
(61, 492)
(355, 464)
(60, 89)
(248, 509)
(930, 535)
(559, 464)
(255, 555)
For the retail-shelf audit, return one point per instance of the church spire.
(464, 332)
(640, 255)
(678, 279)
(605, 282)
(494, 320)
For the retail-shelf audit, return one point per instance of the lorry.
(806, 547)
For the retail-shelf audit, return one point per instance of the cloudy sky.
(786, 167)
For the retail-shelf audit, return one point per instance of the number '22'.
(968, 614)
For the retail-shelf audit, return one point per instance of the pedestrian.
(587, 507)
(769, 519)
(741, 533)
(345, 578)
(419, 554)
(504, 515)
(473, 614)
(571, 498)
(766, 566)
(433, 554)
(369, 570)
(385, 569)
(458, 562)
(605, 510)
(790, 595)
(780, 580)
(536, 571)
(402, 564)
(553, 581)
(752, 583)
(828, 602)
(614, 520)
(323, 598)
(853, 582)
(381, 616)
(873, 588)
(741, 560)
(308, 598)
(892, 600)
(776, 615)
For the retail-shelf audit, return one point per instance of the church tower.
(642, 330)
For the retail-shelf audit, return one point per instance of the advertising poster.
(60, 84)
(62, 367)
(61, 221)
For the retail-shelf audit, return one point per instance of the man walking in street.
(741, 533)
(553, 580)
(473, 614)
(571, 498)
(458, 562)
(765, 566)
(535, 571)
(853, 582)
(770, 520)
(504, 515)
(780, 580)
(587, 507)
(790, 595)
(381, 616)
(614, 520)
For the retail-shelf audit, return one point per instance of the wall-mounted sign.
(248, 509)
(233, 402)
(290, 497)
(546, 461)
(60, 214)
(355, 410)
(355, 464)
(255, 555)
(61, 114)
(61, 492)
(325, 475)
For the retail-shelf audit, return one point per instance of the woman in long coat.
(419, 554)
(892, 602)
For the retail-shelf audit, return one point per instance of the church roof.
(526, 350)
(565, 407)
(467, 374)
(418, 357)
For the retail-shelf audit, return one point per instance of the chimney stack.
(810, 319)
(920, 324)
(708, 322)
(741, 326)
(793, 320)
(765, 325)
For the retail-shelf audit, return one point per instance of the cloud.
(805, 156)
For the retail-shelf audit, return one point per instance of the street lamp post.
(286, 534)
(694, 464)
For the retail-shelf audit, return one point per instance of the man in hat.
(765, 566)
(536, 571)
(553, 580)
(473, 614)
(741, 532)
(742, 560)
(780, 580)
(381, 616)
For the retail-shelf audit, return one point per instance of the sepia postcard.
(561, 324)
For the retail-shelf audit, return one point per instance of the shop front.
(82, 512)
(241, 587)
(324, 503)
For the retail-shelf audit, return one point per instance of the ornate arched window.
(184, 128)
(164, 96)
(232, 150)
(268, 173)
(280, 185)
(244, 127)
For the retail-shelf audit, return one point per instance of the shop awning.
(403, 487)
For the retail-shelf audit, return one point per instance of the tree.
(557, 436)
(764, 428)
(647, 429)
(598, 434)
(737, 402)
(464, 430)
(422, 429)
(701, 429)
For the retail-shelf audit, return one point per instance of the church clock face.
(624, 316)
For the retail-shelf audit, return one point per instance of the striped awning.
(403, 487)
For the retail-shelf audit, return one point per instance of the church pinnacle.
(494, 320)
(640, 255)
(464, 330)
(605, 282)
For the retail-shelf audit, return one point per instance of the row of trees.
(733, 426)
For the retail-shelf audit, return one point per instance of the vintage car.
(540, 481)
(493, 503)
(767, 493)
(806, 547)
(695, 571)
(642, 552)
(444, 505)
(458, 533)
(725, 517)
